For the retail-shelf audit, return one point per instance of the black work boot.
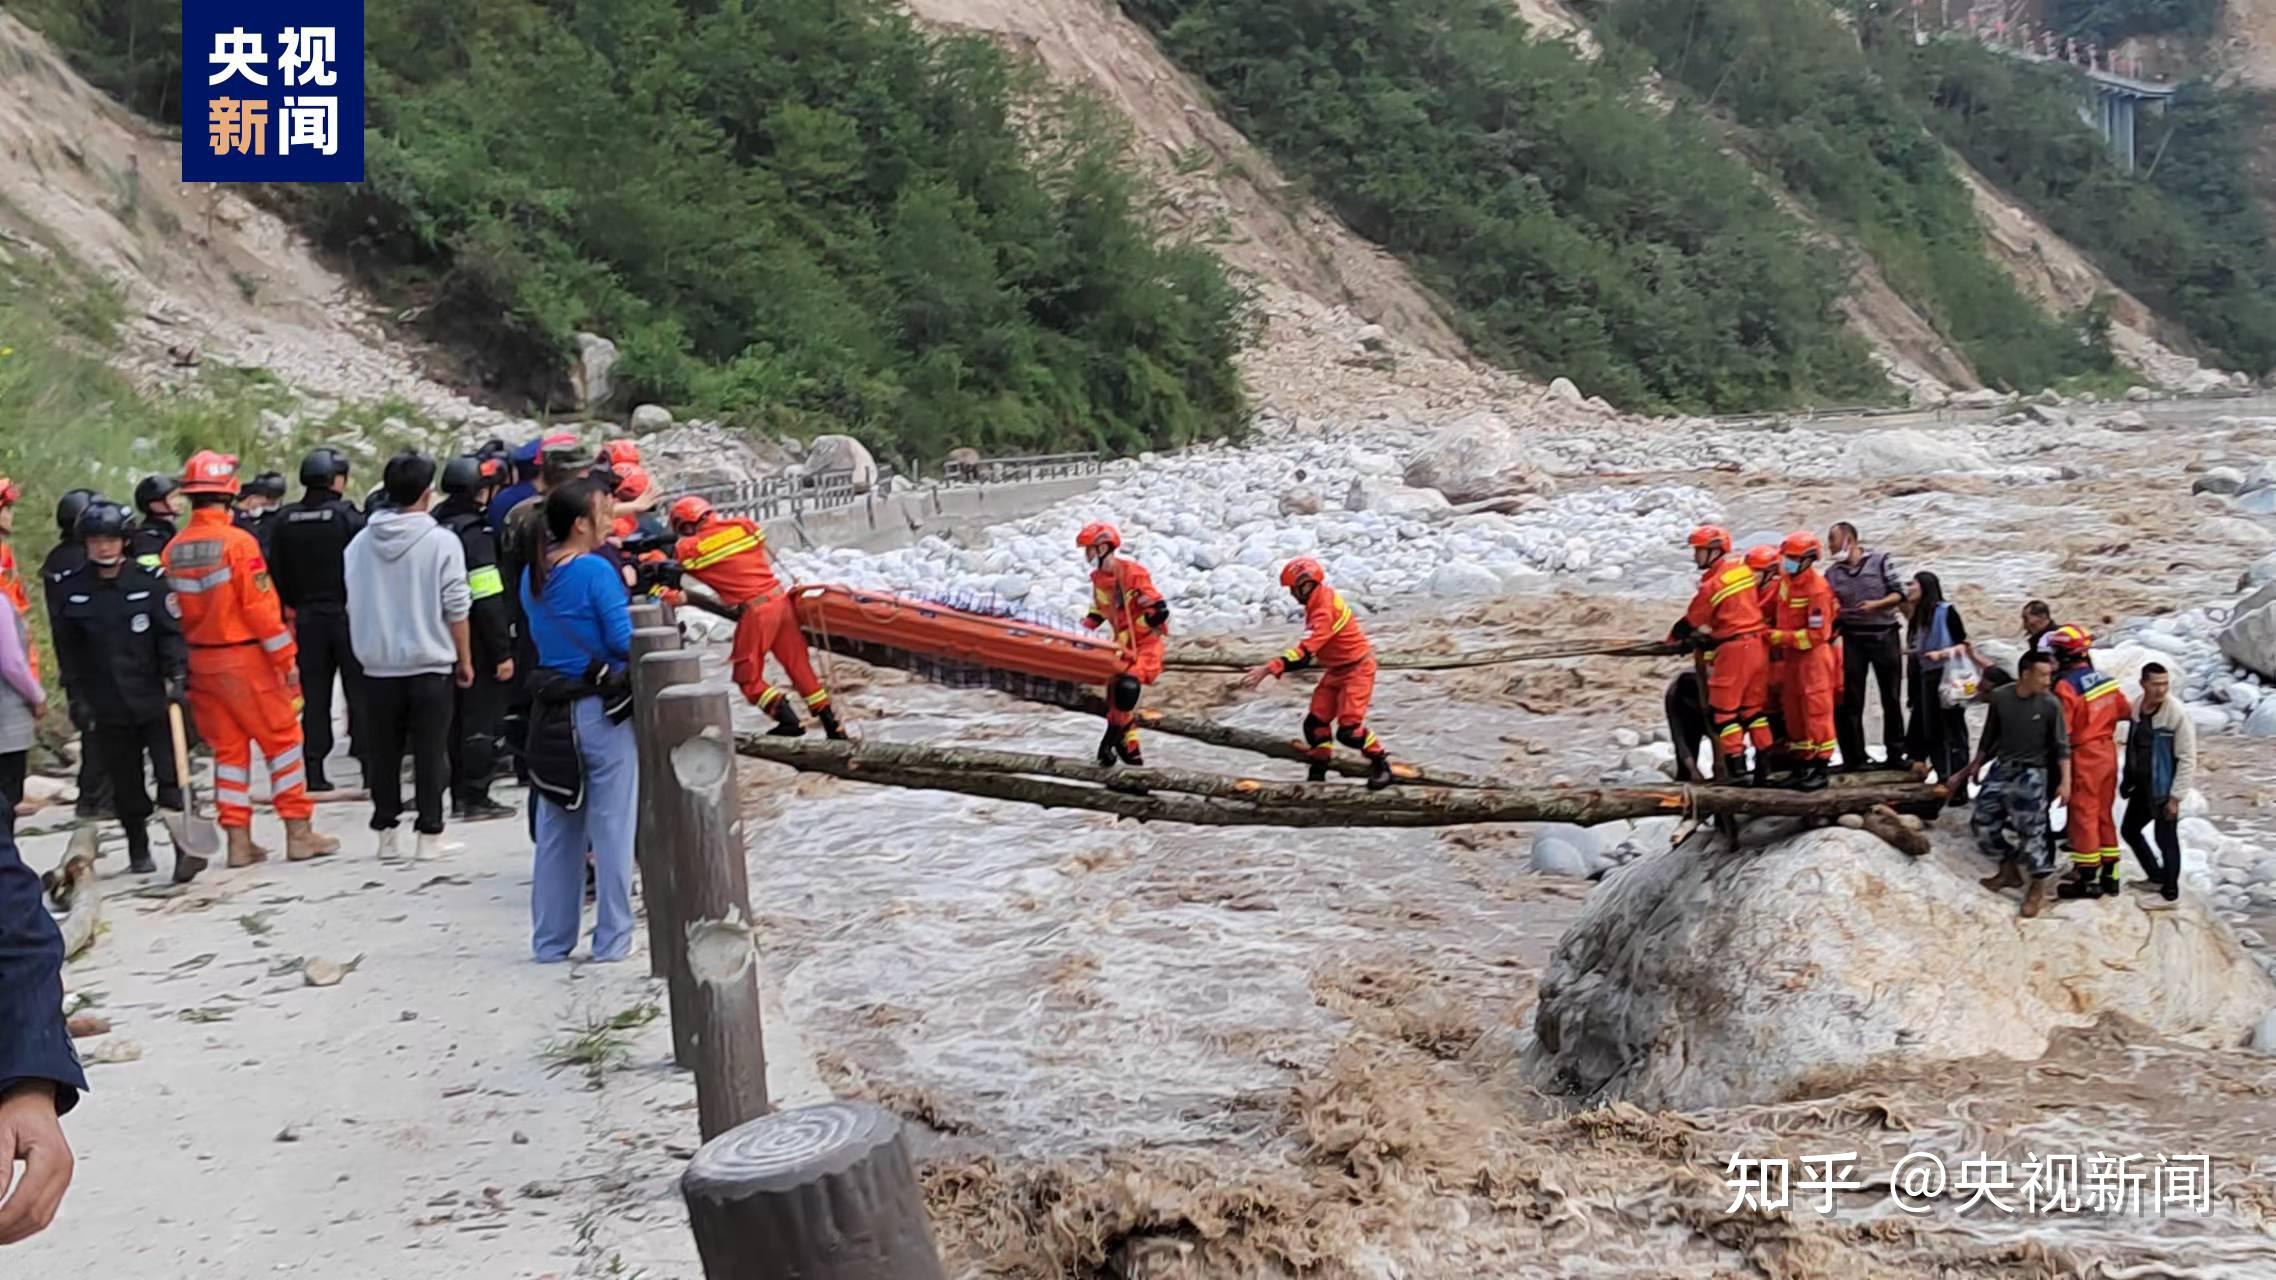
(786, 721)
(1761, 775)
(2107, 882)
(479, 808)
(1318, 772)
(1813, 777)
(2084, 882)
(835, 731)
(138, 849)
(1379, 773)
(1107, 743)
(1127, 747)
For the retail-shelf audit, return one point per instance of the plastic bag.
(1957, 687)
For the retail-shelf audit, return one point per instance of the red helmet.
(10, 493)
(1800, 543)
(1099, 534)
(690, 511)
(620, 454)
(1762, 558)
(632, 481)
(1302, 569)
(2068, 641)
(210, 472)
(1709, 536)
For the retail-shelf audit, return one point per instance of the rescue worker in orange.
(1763, 560)
(11, 578)
(1726, 621)
(2093, 707)
(1801, 631)
(244, 675)
(729, 555)
(1332, 638)
(1122, 593)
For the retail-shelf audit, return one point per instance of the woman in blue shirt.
(581, 625)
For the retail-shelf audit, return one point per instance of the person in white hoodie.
(408, 604)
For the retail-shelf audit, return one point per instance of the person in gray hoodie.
(408, 604)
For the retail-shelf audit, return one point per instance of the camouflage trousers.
(2014, 799)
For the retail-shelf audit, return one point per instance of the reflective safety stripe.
(230, 795)
(818, 697)
(277, 641)
(1801, 641)
(149, 562)
(230, 773)
(706, 557)
(1759, 722)
(189, 586)
(289, 780)
(2104, 689)
(484, 582)
(1292, 655)
(1729, 729)
(1734, 582)
(1343, 617)
(284, 759)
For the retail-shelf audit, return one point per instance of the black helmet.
(102, 518)
(268, 484)
(321, 465)
(462, 475)
(68, 507)
(153, 488)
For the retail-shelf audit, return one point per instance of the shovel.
(195, 841)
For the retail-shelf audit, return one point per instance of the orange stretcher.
(954, 646)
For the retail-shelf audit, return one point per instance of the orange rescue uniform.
(244, 682)
(1802, 631)
(729, 555)
(1728, 607)
(1334, 639)
(2093, 707)
(12, 586)
(1123, 596)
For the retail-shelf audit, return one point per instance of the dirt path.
(412, 1121)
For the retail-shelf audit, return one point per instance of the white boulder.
(2262, 722)
(1477, 457)
(1463, 578)
(1907, 452)
(2221, 480)
(1562, 389)
(841, 453)
(2259, 573)
(2238, 530)
(1696, 980)
(2249, 640)
(1556, 858)
(592, 375)
(648, 419)
(1409, 502)
(1301, 501)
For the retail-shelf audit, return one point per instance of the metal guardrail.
(775, 497)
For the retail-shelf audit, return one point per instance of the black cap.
(68, 507)
(268, 484)
(102, 518)
(462, 475)
(153, 488)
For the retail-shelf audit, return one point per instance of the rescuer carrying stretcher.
(1122, 593)
(1334, 639)
(728, 554)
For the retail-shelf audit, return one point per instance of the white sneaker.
(390, 845)
(429, 847)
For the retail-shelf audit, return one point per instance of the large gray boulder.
(840, 453)
(1880, 455)
(1478, 457)
(1697, 979)
(592, 375)
(2250, 638)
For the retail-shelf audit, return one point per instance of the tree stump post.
(647, 613)
(666, 615)
(716, 1023)
(678, 667)
(821, 1193)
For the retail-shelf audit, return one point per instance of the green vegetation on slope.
(1574, 229)
(805, 212)
(2185, 236)
(2108, 21)
(1841, 136)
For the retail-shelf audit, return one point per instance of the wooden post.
(666, 615)
(714, 978)
(822, 1193)
(673, 666)
(647, 613)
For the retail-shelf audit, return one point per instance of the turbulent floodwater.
(1166, 1051)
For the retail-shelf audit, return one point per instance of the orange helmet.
(210, 472)
(2070, 641)
(1099, 534)
(1800, 543)
(690, 511)
(631, 481)
(1300, 570)
(1710, 535)
(620, 454)
(1762, 557)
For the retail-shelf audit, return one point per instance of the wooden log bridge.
(1208, 799)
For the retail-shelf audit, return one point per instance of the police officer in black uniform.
(468, 484)
(154, 501)
(66, 555)
(257, 503)
(123, 661)
(308, 547)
